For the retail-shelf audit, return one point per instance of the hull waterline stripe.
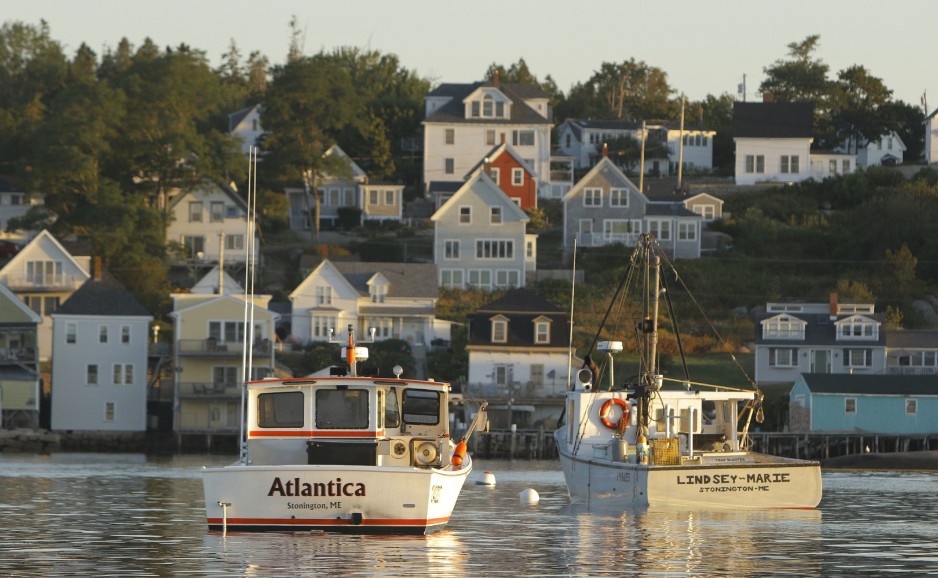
(327, 522)
(314, 434)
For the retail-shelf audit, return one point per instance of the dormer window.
(783, 327)
(857, 328)
(378, 292)
(542, 330)
(500, 329)
(488, 106)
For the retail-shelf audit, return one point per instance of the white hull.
(755, 481)
(368, 499)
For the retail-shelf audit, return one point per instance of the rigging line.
(677, 331)
(612, 303)
(713, 328)
(702, 384)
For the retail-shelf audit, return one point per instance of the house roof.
(607, 164)
(404, 279)
(658, 208)
(14, 312)
(520, 301)
(496, 152)
(820, 330)
(454, 111)
(773, 120)
(840, 383)
(104, 296)
(906, 339)
(520, 307)
(205, 185)
(496, 192)
(237, 116)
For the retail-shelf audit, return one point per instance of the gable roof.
(840, 383)
(208, 284)
(237, 116)
(101, 297)
(404, 279)
(773, 120)
(496, 152)
(604, 163)
(454, 110)
(24, 253)
(520, 300)
(485, 181)
(13, 311)
(207, 185)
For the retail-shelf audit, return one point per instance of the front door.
(820, 361)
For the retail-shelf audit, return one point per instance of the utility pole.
(680, 156)
(641, 163)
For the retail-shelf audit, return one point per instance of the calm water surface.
(122, 515)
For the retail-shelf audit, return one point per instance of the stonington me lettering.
(332, 488)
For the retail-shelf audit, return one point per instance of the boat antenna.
(570, 346)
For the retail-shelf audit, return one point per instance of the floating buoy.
(488, 479)
(529, 496)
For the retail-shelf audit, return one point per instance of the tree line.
(107, 137)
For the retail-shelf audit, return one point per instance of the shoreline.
(921, 461)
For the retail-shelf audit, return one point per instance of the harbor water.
(72, 514)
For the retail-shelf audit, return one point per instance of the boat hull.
(351, 499)
(761, 482)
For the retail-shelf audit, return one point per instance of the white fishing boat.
(673, 443)
(345, 453)
(342, 453)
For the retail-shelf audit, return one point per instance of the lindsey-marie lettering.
(332, 488)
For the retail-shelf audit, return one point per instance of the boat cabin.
(348, 421)
(698, 422)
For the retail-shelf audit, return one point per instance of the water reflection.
(103, 515)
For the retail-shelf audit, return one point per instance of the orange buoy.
(459, 453)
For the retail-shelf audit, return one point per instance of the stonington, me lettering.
(332, 488)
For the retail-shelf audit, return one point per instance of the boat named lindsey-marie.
(657, 443)
(342, 453)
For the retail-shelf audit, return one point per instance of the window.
(194, 246)
(858, 357)
(783, 357)
(452, 278)
(465, 215)
(123, 374)
(383, 326)
(110, 410)
(783, 166)
(850, 405)
(686, 231)
(102, 333)
(660, 229)
(125, 333)
(280, 409)
(832, 167)
(490, 137)
(495, 249)
(392, 413)
(517, 177)
(43, 272)
(449, 166)
(499, 331)
(421, 406)
(522, 138)
(860, 328)
(451, 249)
(231, 212)
(494, 175)
(480, 278)
(507, 278)
(542, 332)
(91, 374)
(71, 332)
(537, 374)
(389, 197)
(495, 215)
(226, 331)
(750, 164)
(234, 242)
(592, 197)
(373, 197)
(217, 209)
(378, 292)
(321, 324)
(795, 164)
(195, 212)
(845, 166)
(708, 212)
(784, 327)
(618, 230)
(911, 406)
(225, 375)
(323, 295)
(618, 197)
(450, 136)
(342, 409)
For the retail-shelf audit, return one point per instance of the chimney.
(835, 308)
(503, 138)
(487, 166)
(96, 268)
(605, 150)
(768, 97)
(495, 79)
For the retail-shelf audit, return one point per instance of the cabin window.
(421, 407)
(392, 412)
(280, 409)
(342, 409)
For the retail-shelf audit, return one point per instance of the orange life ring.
(607, 407)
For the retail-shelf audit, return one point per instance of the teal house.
(879, 404)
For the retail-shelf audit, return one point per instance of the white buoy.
(488, 479)
(530, 496)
